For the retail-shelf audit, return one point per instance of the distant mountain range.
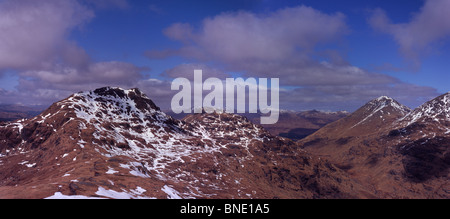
(11, 112)
(116, 143)
(298, 125)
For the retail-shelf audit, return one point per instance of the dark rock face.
(425, 159)
(9, 138)
(141, 100)
(108, 91)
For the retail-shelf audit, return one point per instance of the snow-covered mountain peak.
(384, 98)
(379, 111)
(384, 102)
(384, 105)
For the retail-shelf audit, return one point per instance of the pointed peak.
(385, 100)
(383, 103)
(382, 99)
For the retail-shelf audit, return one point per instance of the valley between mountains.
(117, 143)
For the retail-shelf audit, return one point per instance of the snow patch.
(111, 171)
(59, 195)
(133, 194)
(171, 193)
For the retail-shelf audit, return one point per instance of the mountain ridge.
(112, 141)
(116, 143)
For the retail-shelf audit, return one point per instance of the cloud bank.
(35, 43)
(240, 37)
(34, 33)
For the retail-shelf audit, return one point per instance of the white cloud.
(244, 36)
(34, 33)
(418, 36)
(35, 45)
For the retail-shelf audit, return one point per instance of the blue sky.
(127, 34)
(137, 43)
